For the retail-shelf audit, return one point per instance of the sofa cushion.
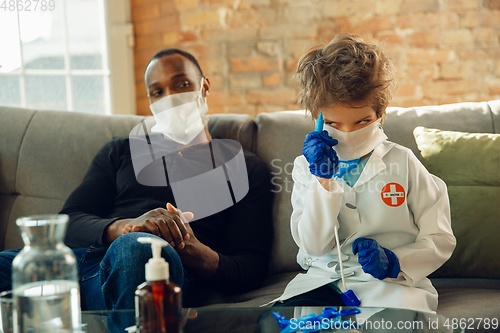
(495, 114)
(466, 117)
(13, 125)
(239, 127)
(27, 205)
(470, 165)
(280, 138)
(58, 147)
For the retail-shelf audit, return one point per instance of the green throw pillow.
(469, 163)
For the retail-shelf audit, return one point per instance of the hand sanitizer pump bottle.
(158, 302)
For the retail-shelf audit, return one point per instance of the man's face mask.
(353, 145)
(181, 117)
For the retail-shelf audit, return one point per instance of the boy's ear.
(383, 110)
(383, 113)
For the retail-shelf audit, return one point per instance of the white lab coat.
(413, 223)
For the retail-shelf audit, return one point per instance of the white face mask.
(181, 117)
(353, 145)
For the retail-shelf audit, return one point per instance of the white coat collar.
(375, 164)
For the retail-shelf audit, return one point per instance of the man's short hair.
(170, 51)
(347, 70)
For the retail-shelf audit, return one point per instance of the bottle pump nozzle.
(156, 267)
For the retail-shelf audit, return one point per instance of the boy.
(392, 216)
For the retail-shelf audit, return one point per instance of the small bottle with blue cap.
(158, 301)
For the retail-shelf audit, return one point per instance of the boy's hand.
(375, 259)
(318, 151)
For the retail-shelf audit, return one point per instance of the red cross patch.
(393, 194)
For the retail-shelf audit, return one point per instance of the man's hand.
(195, 254)
(160, 222)
(167, 224)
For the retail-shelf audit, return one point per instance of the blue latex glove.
(318, 151)
(375, 259)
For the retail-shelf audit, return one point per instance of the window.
(56, 55)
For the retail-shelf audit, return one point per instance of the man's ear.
(206, 86)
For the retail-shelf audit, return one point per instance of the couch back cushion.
(44, 156)
(13, 124)
(469, 163)
(280, 137)
(52, 156)
(463, 117)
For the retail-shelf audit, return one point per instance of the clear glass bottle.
(45, 278)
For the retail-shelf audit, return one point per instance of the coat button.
(308, 261)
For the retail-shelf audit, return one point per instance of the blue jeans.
(110, 275)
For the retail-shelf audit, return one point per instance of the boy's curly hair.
(347, 70)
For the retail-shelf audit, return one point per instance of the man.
(226, 251)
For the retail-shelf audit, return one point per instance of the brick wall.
(446, 51)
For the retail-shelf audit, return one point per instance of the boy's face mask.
(353, 145)
(180, 117)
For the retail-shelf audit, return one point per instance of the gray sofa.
(45, 154)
